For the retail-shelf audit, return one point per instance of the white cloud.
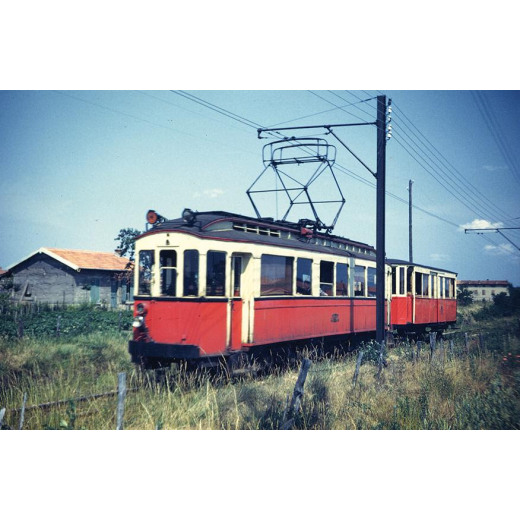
(439, 257)
(491, 168)
(212, 193)
(480, 223)
(500, 249)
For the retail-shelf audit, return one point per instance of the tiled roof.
(91, 259)
(483, 282)
(2, 271)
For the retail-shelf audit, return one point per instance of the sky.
(78, 166)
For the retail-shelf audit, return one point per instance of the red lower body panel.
(293, 319)
(203, 324)
(401, 310)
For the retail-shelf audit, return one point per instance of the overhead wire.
(496, 132)
(337, 165)
(483, 199)
(144, 120)
(435, 158)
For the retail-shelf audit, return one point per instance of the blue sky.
(77, 166)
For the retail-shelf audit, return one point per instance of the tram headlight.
(140, 308)
(189, 216)
(138, 322)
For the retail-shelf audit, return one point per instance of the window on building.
(371, 282)
(276, 275)
(326, 278)
(191, 273)
(341, 280)
(483, 292)
(216, 273)
(359, 280)
(425, 284)
(492, 291)
(304, 276)
(146, 262)
(168, 265)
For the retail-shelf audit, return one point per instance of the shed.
(70, 276)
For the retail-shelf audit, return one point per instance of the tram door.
(241, 300)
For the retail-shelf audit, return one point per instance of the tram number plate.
(334, 318)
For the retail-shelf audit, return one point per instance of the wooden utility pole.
(410, 245)
(380, 218)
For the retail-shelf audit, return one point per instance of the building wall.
(50, 281)
(484, 292)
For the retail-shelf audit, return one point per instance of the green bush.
(74, 321)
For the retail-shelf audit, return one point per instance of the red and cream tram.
(422, 297)
(214, 284)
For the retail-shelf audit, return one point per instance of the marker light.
(152, 217)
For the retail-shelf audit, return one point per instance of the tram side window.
(304, 276)
(191, 272)
(425, 283)
(441, 286)
(326, 278)
(418, 284)
(451, 282)
(216, 274)
(359, 280)
(394, 280)
(341, 280)
(409, 279)
(168, 264)
(446, 287)
(401, 281)
(371, 278)
(276, 275)
(146, 262)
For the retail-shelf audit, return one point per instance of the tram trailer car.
(423, 298)
(216, 285)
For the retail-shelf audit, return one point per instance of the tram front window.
(146, 262)
(191, 273)
(216, 274)
(168, 264)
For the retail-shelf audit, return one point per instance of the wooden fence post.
(22, 413)
(58, 327)
(381, 356)
(2, 413)
(121, 394)
(120, 315)
(419, 346)
(451, 348)
(466, 342)
(20, 329)
(358, 366)
(481, 341)
(433, 341)
(297, 394)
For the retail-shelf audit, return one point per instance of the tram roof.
(395, 261)
(205, 226)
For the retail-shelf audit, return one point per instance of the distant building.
(484, 290)
(69, 276)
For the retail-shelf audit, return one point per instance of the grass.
(475, 390)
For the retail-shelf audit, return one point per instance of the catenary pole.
(410, 236)
(380, 219)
